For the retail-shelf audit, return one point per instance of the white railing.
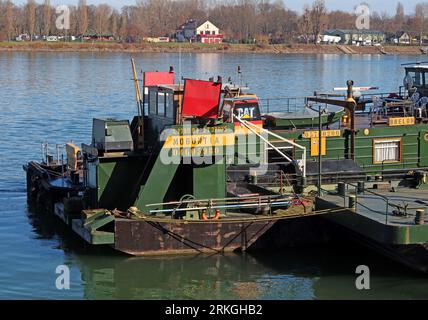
(254, 128)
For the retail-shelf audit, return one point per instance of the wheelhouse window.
(161, 104)
(169, 105)
(153, 102)
(387, 150)
(418, 78)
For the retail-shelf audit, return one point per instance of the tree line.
(239, 20)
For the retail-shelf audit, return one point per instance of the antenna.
(239, 75)
(179, 66)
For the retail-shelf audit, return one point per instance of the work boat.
(372, 164)
(184, 176)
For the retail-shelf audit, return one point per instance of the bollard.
(420, 216)
(341, 190)
(360, 187)
(352, 202)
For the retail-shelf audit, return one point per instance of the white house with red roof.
(209, 33)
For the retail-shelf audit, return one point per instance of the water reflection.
(316, 272)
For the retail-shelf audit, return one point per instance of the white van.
(52, 38)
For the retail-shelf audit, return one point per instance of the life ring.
(216, 216)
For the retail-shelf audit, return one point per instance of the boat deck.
(390, 208)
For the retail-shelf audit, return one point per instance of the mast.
(137, 90)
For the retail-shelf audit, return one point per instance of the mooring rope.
(242, 220)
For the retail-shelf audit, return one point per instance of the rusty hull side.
(142, 237)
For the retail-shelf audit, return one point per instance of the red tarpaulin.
(201, 98)
(156, 78)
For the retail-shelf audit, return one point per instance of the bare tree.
(82, 17)
(420, 19)
(47, 12)
(341, 20)
(305, 24)
(114, 23)
(101, 19)
(30, 15)
(399, 17)
(8, 20)
(318, 18)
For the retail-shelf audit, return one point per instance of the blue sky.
(345, 5)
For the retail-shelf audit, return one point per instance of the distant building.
(187, 31)
(400, 38)
(328, 39)
(23, 37)
(97, 37)
(404, 38)
(157, 39)
(357, 37)
(209, 33)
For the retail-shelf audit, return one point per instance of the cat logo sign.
(245, 113)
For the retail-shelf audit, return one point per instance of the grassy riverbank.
(199, 47)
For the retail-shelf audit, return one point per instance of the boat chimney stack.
(171, 69)
(219, 79)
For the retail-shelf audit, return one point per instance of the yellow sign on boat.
(402, 121)
(200, 140)
(324, 134)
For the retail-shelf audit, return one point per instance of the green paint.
(157, 184)
(414, 146)
(376, 230)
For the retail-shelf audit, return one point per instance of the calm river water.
(54, 96)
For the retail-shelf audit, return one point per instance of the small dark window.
(153, 102)
(161, 104)
(169, 106)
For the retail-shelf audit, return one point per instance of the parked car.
(52, 38)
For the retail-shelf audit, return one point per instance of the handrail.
(359, 203)
(248, 125)
(387, 201)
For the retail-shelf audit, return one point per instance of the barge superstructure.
(180, 178)
(205, 167)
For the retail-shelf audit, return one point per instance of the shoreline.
(173, 47)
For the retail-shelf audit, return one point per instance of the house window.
(201, 32)
(207, 32)
(213, 32)
(387, 150)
